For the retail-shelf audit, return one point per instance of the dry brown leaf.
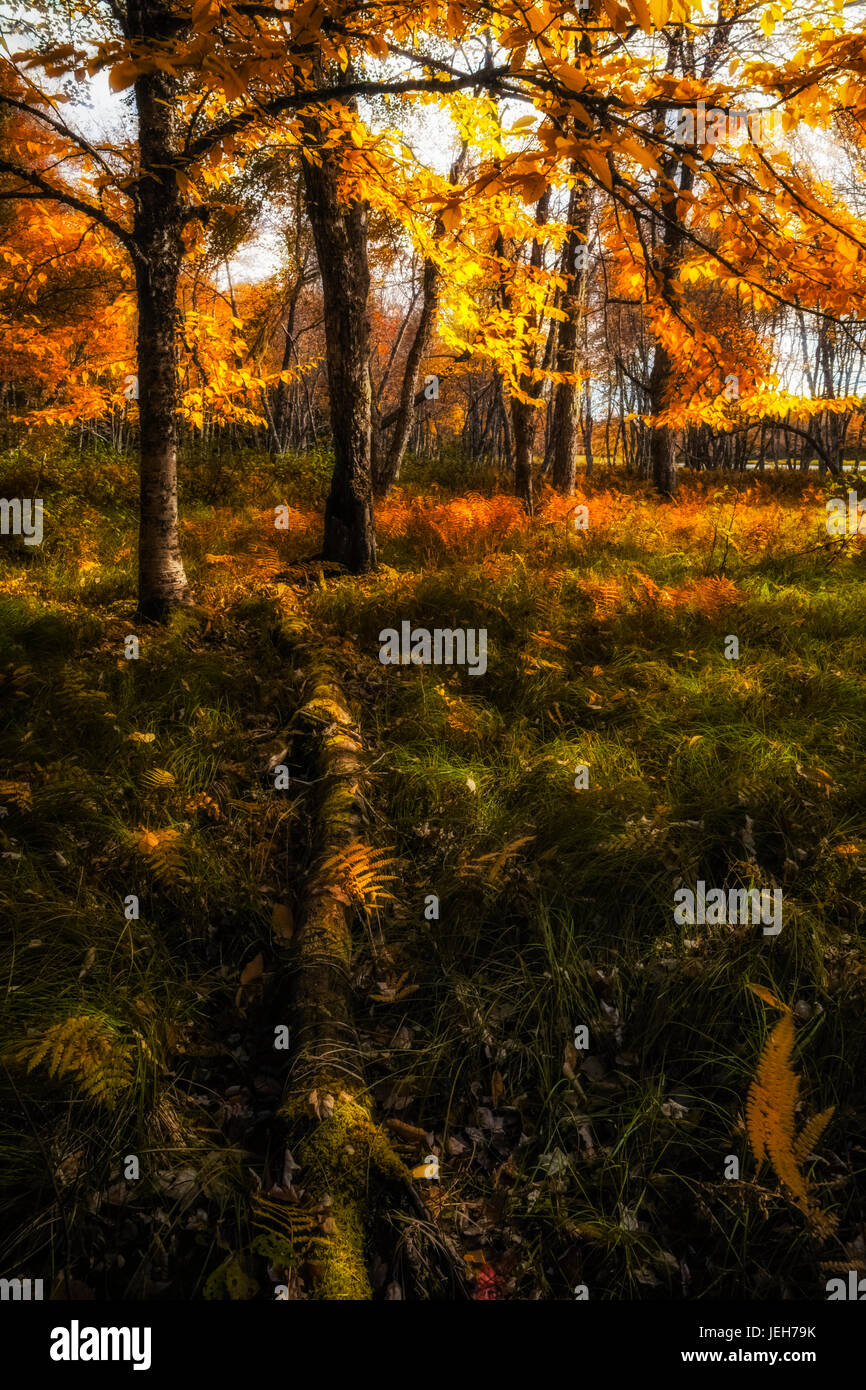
(322, 1106)
(282, 923)
(251, 977)
(412, 1132)
(253, 970)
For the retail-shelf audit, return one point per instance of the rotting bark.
(341, 1150)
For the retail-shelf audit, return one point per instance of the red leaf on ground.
(486, 1283)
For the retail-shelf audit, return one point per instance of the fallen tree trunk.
(341, 1151)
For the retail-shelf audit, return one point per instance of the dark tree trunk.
(566, 394)
(679, 177)
(157, 227)
(524, 419)
(340, 234)
(662, 466)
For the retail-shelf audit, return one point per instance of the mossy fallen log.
(343, 1154)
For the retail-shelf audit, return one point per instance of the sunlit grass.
(606, 648)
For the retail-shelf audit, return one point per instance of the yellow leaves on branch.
(770, 1111)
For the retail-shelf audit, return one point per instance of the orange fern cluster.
(461, 523)
(606, 595)
(708, 597)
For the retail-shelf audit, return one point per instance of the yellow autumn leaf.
(451, 216)
(598, 164)
(641, 12)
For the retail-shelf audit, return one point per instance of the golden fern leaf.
(163, 852)
(279, 1218)
(709, 596)
(770, 1103)
(769, 998)
(548, 611)
(156, 778)
(778, 1084)
(770, 1116)
(490, 866)
(18, 793)
(604, 594)
(89, 1049)
(647, 590)
(360, 870)
(811, 1133)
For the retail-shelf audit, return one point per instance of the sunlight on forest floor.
(606, 649)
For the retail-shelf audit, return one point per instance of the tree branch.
(59, 195)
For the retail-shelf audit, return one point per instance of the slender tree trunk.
(340, 234)
(662, 466)
(587, 424)
(158, 222)
(524, 414)
(281, 403)
(566, 394)
(679, 178)
(391, 460)
(523, 420)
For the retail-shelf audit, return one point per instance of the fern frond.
(811, 1133)
(89, 1049)
(282, 1219)
(489, 867)
(77, 701)
(770, 1116)
(769, 998)
(18, 793)
(604, 594)
(157, 778)
(360, 871)
(163, 851)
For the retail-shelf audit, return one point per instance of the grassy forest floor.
(603, 1166)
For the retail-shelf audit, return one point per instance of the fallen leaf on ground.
(282, 922)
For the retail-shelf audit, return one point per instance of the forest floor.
(602, 1165)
